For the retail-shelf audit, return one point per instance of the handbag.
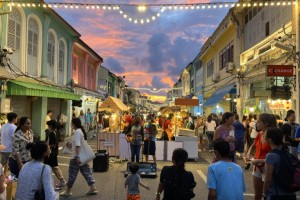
(40, 193)
(86, 154)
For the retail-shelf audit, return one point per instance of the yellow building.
(221, 57)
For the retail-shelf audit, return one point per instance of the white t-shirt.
(254, 133)
(78, 140)
(210, 125)
(48, 118)
(7, 133)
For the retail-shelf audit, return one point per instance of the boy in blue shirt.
(225, 179)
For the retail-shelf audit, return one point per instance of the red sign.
(280, 70)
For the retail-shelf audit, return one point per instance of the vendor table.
(116, 145)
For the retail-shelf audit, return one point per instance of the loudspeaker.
(146, 170)
(101, 161)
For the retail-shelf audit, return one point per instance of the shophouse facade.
(198, 84)
(220, 57)
(85, 66)
(269, 32)
(42, 42)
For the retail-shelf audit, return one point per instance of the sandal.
(65, 194)
(91, 192)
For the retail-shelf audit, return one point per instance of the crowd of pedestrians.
(257, 139)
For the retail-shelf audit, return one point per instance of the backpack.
(288, 176)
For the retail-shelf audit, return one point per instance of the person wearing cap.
(52, 161)
(7, 132)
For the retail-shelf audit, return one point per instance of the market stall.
(108, 139)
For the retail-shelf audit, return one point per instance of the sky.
(150, 55)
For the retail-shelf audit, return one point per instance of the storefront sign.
(281, 92)
(280, 105)
(280, 70)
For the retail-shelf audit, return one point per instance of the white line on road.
(202, 175)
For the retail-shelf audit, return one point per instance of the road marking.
(251, 195)
(62, 164)
(202, 175)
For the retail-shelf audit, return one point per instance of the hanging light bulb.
(209, 6)
(255, 4)
(142, 21)
(192, 7)
(220, 6)
(170, 7)
(130, 19)
(125, 16)
(109, 7)
(135, 21)
(153, 18)
(142, 8)
(76, 7)
(147, 20)
(226, 5)
(93, 7)
(181, 7)
(104, 7)
(232, 5)
(175, 7)
(198, 7)
(203, 7)
(157, 14)
(186, 7)
(121, 12)
(214, 6)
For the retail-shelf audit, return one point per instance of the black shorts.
(151, 150)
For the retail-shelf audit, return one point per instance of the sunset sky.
(150, 55)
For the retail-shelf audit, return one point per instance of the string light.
(143, 8)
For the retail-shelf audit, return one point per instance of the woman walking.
(52, 141)
(74, 166)
(226, 132)
(264, 122)
(20, 155)
(210, 127)
(35, 174)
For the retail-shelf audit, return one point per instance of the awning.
(218, 95)
(113, 104)
(21, 88)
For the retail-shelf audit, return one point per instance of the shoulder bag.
(86, 154)
(40, 193)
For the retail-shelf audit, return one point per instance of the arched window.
(61, 62)
(51, 54)
(51, 49)
(32, 47)
(14, 36)
(61, 57)
(33, 32)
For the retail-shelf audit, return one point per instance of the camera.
(7, 50)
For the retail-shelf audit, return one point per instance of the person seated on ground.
(225, 179)
(35, 174)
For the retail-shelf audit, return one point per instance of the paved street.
(111, 184)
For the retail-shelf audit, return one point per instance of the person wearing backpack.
(289, 132)
(278, 177)
(175, 181)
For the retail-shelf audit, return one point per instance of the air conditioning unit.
(216, 77)
(230, 67)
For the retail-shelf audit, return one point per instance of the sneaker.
(91, 192)
(61, 184)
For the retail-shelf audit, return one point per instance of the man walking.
(7, 132)
(239, 135)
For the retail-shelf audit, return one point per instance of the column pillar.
(39, 108)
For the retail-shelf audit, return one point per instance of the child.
(133, 181)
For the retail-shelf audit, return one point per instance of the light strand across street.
(120, 7)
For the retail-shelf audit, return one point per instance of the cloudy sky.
(151, 55)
